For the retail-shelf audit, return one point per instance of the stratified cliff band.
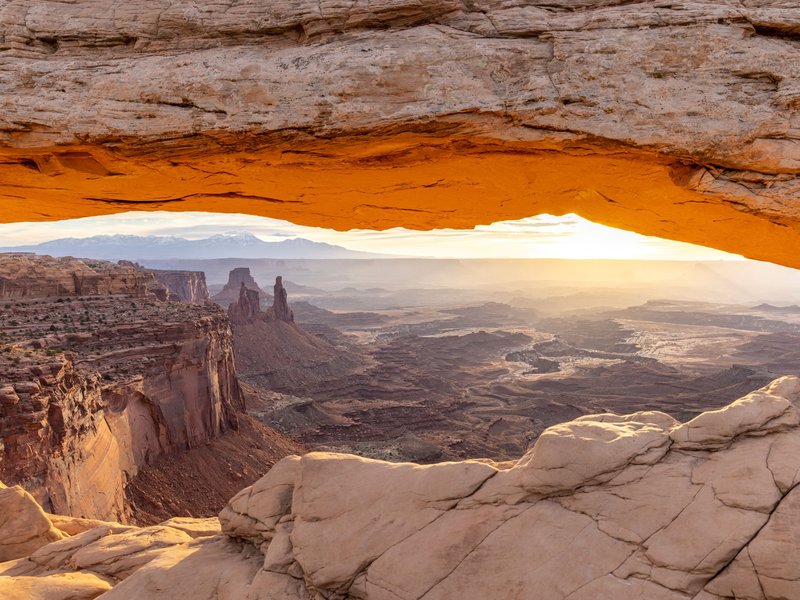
(100, 378)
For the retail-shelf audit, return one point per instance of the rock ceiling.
(679, 119)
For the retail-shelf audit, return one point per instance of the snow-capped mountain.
(226, 245)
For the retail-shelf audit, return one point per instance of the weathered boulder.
(24, 526)
(90, 563)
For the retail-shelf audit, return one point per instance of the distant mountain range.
(236, 245)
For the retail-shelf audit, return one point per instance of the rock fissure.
(745, 547)
(467, 555)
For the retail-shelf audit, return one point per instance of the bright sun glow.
(543, 236)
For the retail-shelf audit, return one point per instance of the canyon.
(468, 373)
(596, 451)
(101, 379)
(132, 409)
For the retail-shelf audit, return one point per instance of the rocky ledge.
(24, 275)
(629, 507)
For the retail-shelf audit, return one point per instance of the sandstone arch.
(675, 119)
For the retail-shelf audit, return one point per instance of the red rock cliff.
(184, 286)
(93, 388)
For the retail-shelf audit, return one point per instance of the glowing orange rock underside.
(391, 182)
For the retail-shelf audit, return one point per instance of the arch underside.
(678, 121)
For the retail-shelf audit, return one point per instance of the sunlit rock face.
(628, 507)
(677, 119)
(25, 525)
(98, 380)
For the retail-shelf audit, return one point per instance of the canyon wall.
(94, 388)
(21, 276)
(627, 507)
(184, 286)
(677, 119)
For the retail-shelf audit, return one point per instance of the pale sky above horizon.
(543, 236)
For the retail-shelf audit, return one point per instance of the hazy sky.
(544, 236)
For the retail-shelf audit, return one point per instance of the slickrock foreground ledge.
(676, 119)
(636, 507)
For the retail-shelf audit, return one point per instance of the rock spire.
(280, 310)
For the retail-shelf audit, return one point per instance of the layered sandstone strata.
(94, 388)
(31, 276)
(606, 506)
(238, 278)
(184, 286)
(676, 119)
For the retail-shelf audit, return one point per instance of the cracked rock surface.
(679, 119)
(634, 507)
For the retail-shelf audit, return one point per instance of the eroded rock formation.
(273, 353)
(606, 506)
(246, 309)
(280, 310)
(238, 278)
(94, 388)
(31, 276)
(184, 286)
(672, 119)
